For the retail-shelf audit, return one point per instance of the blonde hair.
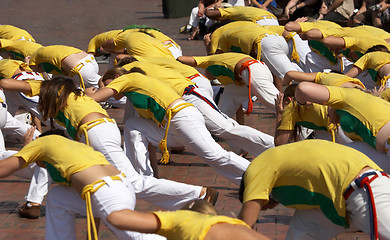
(201, 206)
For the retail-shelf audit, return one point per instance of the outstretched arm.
(100, 95)
(11, 84)
(250, 211)
(187, 60)
(353, 72)
(134, 221)
(311, 92)
(298, 77)
(10, 165)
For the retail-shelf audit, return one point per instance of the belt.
(86, 126)
(194, 76)
(364, 181)
(191, 90)
(163, 143)
(266, 17)
(244, 66)
(86, 195)
(27, 74)
(78, 67)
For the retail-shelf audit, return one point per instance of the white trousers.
(194, 19)
(262, 84)
(274, 51)
(89, 72)
(268, 22)
(302, 48)
(63, 203)
(313, 224)
(171, 195)
(187, 128)
(239, 137)
(174, 49)
(318, 63)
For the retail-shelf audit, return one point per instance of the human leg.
(262, 85)
(239, 137)
(274, 50)
(312, 224)
(106, 138)
(232, 98)
(200, 142)
(358, 209)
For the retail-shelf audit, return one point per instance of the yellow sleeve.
(35, 87)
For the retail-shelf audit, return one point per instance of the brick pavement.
(74, 23)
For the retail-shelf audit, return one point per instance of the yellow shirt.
(313, 116)
(306, 174)
(149, 96)
(217, 34)
(360, 45)
(244, 13)
(221, 65)
(173, 64)
(76, 109)
(59, 153)
(190, 225)
(141, 44)
(242, 39)
(120, 39)
(9, 66)
(96, 41)
(19, 49)
(373, 62)
(335, 79)
(14, 33)
(172, 78)
(306, 26)
(359, 112)
(50, 57)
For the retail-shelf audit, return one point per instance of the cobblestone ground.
(74, 23)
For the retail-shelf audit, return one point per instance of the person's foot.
(31, 211)
(211, 195)
(194, 35)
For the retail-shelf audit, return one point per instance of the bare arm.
(293, 27)
(281, 136)
(333, 42)
(10, 165)
(334, 5)
(100, 95)
(250, 211)
(298, 77)
(134, 221)
(353, 72)
(11, 84)
(108, 46)
(187, 60)
(311, 92)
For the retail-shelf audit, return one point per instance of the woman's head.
(378, 48)
(201, 206)
(113, 73)
(289, 93)
(54, 94)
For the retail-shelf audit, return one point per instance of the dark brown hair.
(53, 96)
(110, 74)
(378, 48)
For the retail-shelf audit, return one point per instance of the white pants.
(106, 138)
(194, 19)
(312, 223)
(187, 128)
(262, 84)
(63, 203)
(268, 21)
(302, 48)
(239, 137)
(89, 72)
(274, 50)
(174, 49)
(318, 63)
